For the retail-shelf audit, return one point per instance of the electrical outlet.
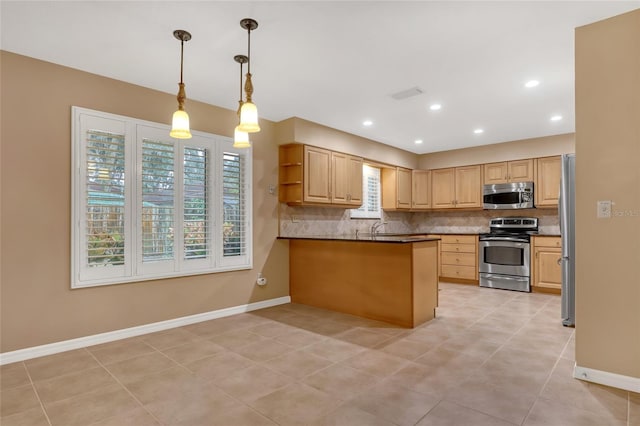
(294, 218)
(261, 280)
(604, 209)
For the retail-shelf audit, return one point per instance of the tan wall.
(506, 151)
(37, 305)
(608, 168)
(298, 130)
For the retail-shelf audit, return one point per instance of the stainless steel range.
(504, 253)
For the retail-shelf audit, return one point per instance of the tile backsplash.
(307, 221)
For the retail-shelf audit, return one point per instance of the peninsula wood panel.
(395, 283)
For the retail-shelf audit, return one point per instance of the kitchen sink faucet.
(374, 228)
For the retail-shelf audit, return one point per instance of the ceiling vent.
(414, 91)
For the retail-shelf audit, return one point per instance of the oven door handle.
(514, 239)
(492, 277)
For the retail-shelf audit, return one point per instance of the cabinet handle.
(559, 260)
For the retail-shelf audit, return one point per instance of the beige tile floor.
(491, 357)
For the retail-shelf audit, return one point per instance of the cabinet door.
(443, 188)
(548, 273)
(468, 187)
(339, 178)
(495, 173)
(421, 189)
(520, 171)
(317, 182)
(547, 188)
(404, 189)
(354, 186)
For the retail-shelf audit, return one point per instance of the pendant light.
(180, 122)
(249, 112)
(240, 138)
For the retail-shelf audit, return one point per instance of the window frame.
(134, 268)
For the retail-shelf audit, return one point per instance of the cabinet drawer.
(461, 259)
(458, 248)
(458, 239)
(464, 272)
(547, 242)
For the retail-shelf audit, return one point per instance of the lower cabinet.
(547, 273)
(459, 258)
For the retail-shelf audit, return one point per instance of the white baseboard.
(606, 378)
(81, 342)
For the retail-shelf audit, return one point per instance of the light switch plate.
(604, 209)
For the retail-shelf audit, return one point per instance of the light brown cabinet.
(456, 187)
(346, 179)
(421, 189)
(317, 175)
(547, 184)
(310, 175)
(459, 258)
(509, 171)
(547, 272)
(396, 188)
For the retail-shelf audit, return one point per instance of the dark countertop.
(399, 238)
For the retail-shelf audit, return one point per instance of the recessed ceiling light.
(556, 118)
(435, 107)
(418, 141)
(478, 131)
(531, 83)
(367, 123)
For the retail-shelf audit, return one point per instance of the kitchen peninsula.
(390, 278)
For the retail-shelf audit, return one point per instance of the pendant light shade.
(180, 125)
(249, 111)
(249, 118)
(180, 122)
(241, 139)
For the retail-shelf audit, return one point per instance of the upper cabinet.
(443, 188)
(547, 184)
(509, 171)
(456, 187)
(310, 175)
(420, 189)
(346, 179)
(316, 176)
(396, 188)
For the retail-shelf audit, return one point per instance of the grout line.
(127, 390)
(46, 415)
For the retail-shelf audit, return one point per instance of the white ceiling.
(337, 63)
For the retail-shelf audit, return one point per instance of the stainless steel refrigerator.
(566, 211)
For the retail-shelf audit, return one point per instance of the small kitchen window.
(371, 195)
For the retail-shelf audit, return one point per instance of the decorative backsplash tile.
(296, 221)
(301, 221)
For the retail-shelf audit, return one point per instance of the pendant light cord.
(241, 64)
(249, 50)
(181, 58)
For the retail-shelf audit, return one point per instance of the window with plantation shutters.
(233, 205)
(371, 198)
(158, 207)
(104, 189)
(195, 204)
(147, 206)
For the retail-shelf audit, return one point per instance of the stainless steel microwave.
(508, 196)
